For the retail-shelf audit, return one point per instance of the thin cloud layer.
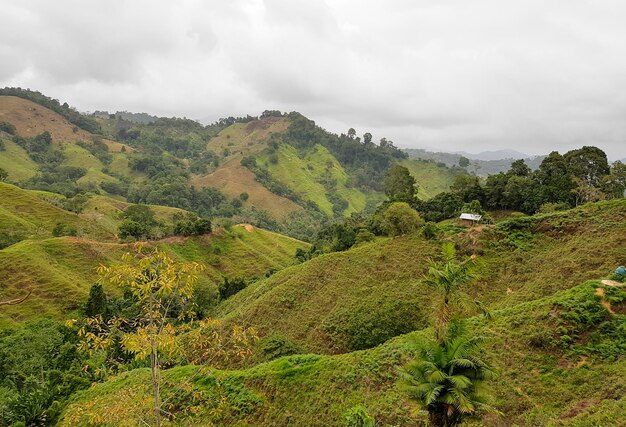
(449, 75)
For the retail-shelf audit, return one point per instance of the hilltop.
(278, 170)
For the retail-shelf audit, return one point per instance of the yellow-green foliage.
(15, 160)
(311, 175)
(431, 179)
(60, 271)
(539, 384)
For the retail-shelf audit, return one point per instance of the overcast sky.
(447, 75)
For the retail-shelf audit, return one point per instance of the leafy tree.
(585, 192)
(158, 284)
(3, 175)
(464, 162)
(587, 163)
(443, 206)
(447, 379)
(351, 133)
(554, 178)
(519, 168)
(614, 184)
(400, 185)
(367, 138)
(468, 188)
(96, 302)
(400, 218)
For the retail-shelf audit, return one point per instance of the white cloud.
(527, 74)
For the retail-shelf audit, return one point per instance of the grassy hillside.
(60, 271)
(313, 176)
(543, 378)
(15, 160)
(324, 304)
(234, 179)
(25, 215)
(232, 144)
(431, 178)
(31, 119)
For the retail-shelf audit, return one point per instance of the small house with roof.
(470, 219)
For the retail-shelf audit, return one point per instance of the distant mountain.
(476, 166)
(495, 155)
(142, 118)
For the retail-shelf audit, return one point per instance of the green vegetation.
(337, 319)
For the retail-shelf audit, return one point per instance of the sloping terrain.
(25, 215)
(431, 178)
(313, 176)
(324, 303)
(16, 161)
(232, 144)
(542, 380)
(31, 119)
(59, 271)
(234, 179)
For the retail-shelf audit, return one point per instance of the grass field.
(15, 160)
(431, 179)
(24, 213)
(555, 252)
(537, 385)
(309, 176)
(59, 271)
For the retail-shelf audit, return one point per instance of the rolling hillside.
(24, 214)
(31, 119)
(59, 271)
(542, 380)
(324, 303)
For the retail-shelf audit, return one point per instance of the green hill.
(23, 214)
(431, 178)
(59, 271)
(544, 378)
(332, 303)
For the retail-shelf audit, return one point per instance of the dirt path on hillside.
(601, 293)
(249, 227)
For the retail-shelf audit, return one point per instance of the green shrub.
(430, 230)
(64, 230)
(275, 345)
(357, 416)
(7, 127)
(373, 323)
(400, 218)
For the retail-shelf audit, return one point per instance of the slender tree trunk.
(154, 366)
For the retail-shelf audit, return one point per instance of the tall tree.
(400, 185)
(554, 179)
(587, 163)
(519, 168)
